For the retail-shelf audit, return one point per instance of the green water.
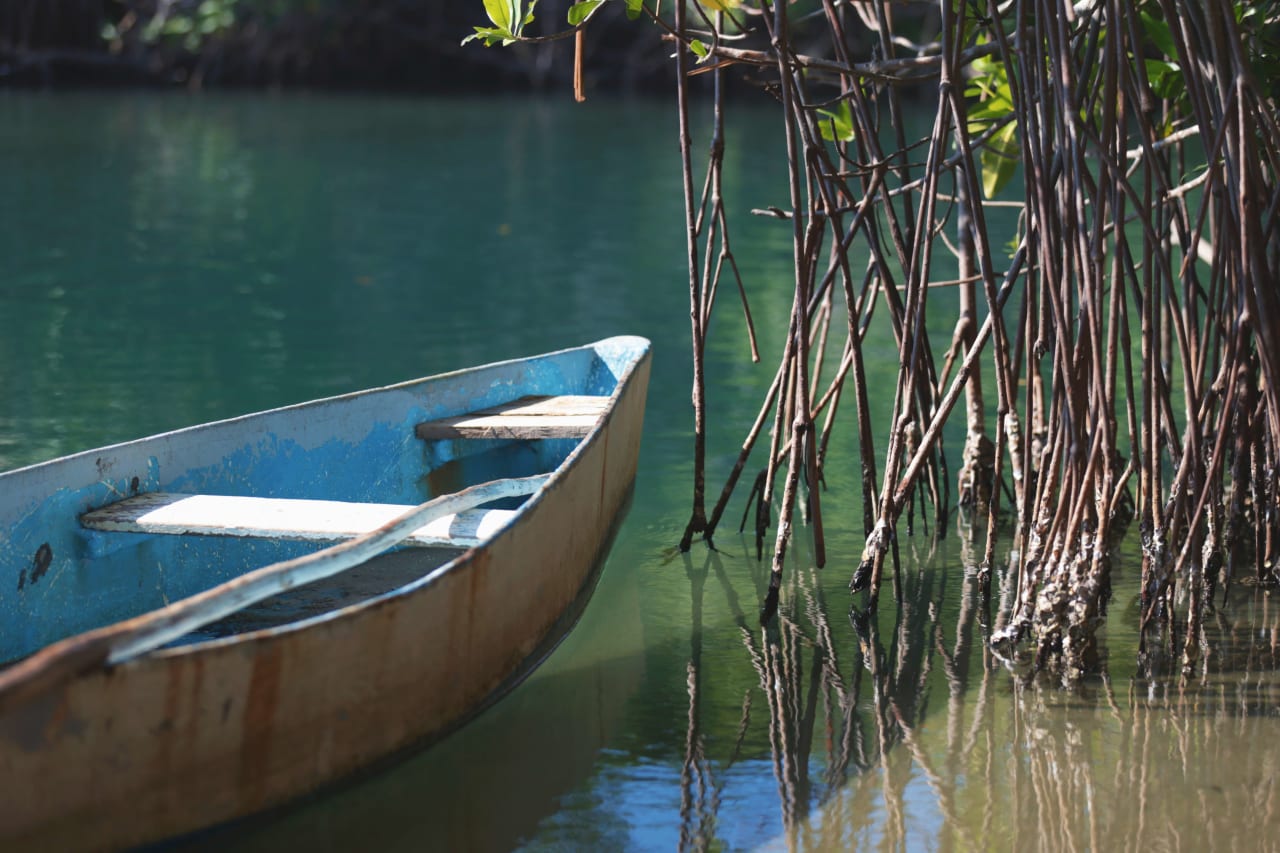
(168, 261)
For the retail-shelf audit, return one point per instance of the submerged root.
(1062, 613)
(977, 472)
(872, 558)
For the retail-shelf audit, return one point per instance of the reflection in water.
(904, 732)
(172, 260)
(488, 786)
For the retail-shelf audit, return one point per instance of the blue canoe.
(207, 623)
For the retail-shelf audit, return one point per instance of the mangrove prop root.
(1130, 329)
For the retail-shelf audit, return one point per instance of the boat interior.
(142, 533)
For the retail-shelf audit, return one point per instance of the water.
(170, 260)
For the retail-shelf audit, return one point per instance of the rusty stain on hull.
(259, 725)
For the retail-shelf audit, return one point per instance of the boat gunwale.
(402, 385)
(457, 563)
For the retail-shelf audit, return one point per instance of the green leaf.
(1011, 247)
(634, 9)
(500, 12)
(580, 11)
(838, 125)
(1158, 31)
(509, 18)
(1000, 160)
(1165, 78)
(699, 48)
(491, 36)
(987, 111)
(990, 93)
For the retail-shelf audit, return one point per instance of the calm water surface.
(169, 260)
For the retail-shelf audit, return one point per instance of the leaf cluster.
(508, 18)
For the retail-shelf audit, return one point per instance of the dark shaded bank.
(405, 45)
(335, 44)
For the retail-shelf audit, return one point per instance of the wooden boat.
(184, 655)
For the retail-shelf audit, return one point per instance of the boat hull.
(195, 735)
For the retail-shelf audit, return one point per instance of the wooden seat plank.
(526, 418)
(283, 518)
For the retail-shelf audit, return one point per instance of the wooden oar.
(121, 641)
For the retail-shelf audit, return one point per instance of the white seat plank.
(526, 418)
(283, 518)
